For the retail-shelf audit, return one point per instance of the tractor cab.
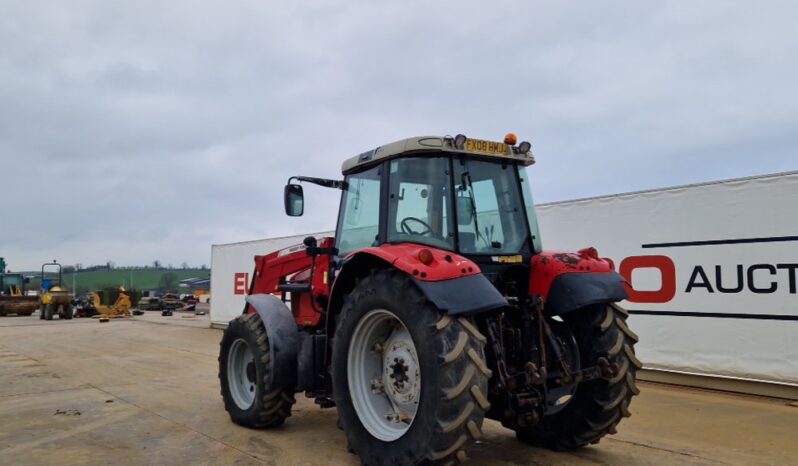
(467, 196)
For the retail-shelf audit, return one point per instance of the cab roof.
(420, 145)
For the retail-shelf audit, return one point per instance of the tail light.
(425, 256)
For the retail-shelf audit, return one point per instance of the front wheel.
(243, 359)
(49, 310)
(598, 405)
(410, 382)
(67, 311)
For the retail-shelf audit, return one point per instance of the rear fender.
(572, 291)
(445, 265)
(569, 281)
(452, 282)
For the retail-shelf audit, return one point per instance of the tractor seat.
(468, 241)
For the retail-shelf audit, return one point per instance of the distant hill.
(139, 279)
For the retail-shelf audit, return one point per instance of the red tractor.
(433, 308)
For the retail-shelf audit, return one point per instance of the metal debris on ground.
(104, 318)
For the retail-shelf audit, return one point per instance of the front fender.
(283, 339)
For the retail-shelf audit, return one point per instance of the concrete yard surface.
(144, 390)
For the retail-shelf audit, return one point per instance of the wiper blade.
(470, 186)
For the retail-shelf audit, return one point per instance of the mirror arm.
(337, 184)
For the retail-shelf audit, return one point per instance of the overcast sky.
(140, 130)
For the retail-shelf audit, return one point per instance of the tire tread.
(464, 374)
(602, 404)
(274, 405)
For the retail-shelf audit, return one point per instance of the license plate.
(486, 147)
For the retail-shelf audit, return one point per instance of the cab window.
(419, 202)
(358, 224)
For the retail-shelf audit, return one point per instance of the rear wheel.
(49, 310)
(598, 405)
(41, 311)
(410, 383)
(243, 364)
(67, 311)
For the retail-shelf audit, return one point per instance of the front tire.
(67, 312)
(410, 382)
(49, 310)
(598, 405)
(243, 359)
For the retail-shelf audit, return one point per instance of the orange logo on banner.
(666, 269)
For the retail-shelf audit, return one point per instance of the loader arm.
(292, 270)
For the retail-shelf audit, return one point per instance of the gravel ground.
(144, 390)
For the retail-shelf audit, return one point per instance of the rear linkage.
(521, 396)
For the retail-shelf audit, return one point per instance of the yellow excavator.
(90, 306)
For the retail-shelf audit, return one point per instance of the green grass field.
(143, 279)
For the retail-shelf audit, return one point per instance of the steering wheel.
(409, 231)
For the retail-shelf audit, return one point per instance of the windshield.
(490, 213)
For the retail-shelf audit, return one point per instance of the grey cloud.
(132, 131)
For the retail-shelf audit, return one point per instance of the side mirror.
(294, 200)
(465, 210)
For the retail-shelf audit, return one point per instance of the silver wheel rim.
(241, 374)
(384, 375)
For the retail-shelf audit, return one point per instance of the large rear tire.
(49, 310)
(598, 405)
(243, 359)
(410, 382)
